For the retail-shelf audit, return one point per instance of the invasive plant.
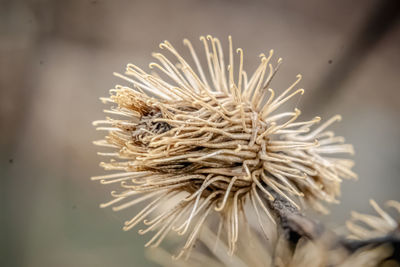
(190, 141)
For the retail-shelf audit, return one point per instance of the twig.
(295, 225)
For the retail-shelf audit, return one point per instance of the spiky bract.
(365, 226)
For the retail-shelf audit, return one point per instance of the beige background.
(57, 58)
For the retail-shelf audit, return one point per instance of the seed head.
(205, 143)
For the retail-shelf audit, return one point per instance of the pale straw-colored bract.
(326, 250)
(253, 252)
(211, 139)
(365, 226)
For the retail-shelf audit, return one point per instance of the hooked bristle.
(365, 226)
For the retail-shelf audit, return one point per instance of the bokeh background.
(57, 59)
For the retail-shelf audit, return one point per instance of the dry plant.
(327, 250)
(195, 146)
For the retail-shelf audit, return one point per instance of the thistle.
(189, 144)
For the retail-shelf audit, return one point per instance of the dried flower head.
(212, 143)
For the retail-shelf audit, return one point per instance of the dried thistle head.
(212, 143)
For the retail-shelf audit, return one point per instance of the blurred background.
(57, 59)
